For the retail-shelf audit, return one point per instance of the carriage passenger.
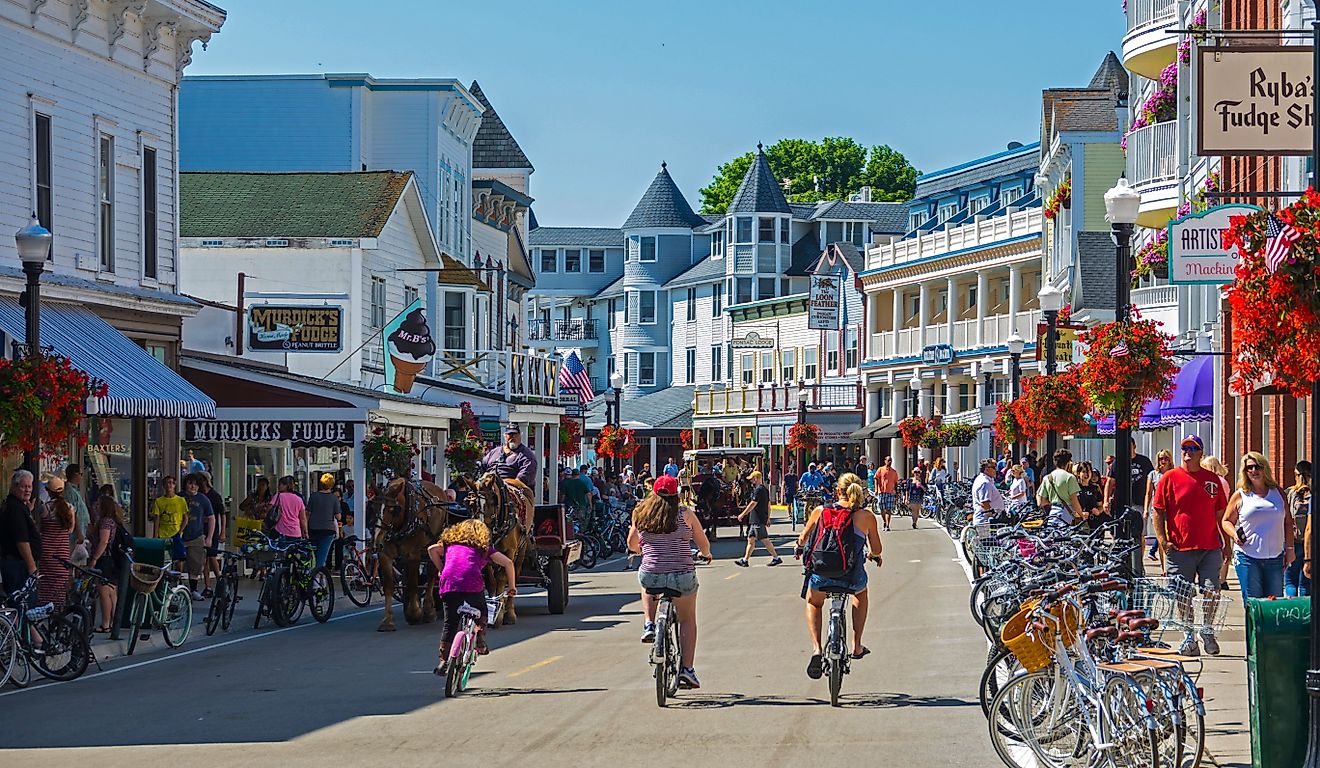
(459, 556)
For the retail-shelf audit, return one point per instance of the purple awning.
(1151, 415)
(1194, 393)
(1105, 426)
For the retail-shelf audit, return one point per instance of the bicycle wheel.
(282, 596)
(1193, 725)
(837, 649)
(21, 673)
(137, 616)
(176, 616)
(660, 660)
(8, 649)
(673, 656)
(265, 600)
(1000, 668)
(64, 650)
(231, 588)
(77, 615)
(1137, 744)
(355, 583)
(1034, 722)
(589, 553)
(217, 608)
(321, 594)
(457, 661)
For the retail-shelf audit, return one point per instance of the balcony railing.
(579, 329)
(518, 376)
(1142, 13)
(975, 234)
(776, 398)
(1152, 154)
(909, 342)
(1155, 296)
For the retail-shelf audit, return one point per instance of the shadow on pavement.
(878, 701)
(501, 693)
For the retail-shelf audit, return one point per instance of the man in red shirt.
(1189, 507)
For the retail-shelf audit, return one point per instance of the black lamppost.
(33, 249)
(1313, 673)
(803, 395)
(1016, 346)
(616, 382)
(1122, 203)
(1051, 301)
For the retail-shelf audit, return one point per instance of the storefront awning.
(1151, 415)
(867, 432)
(139, 384)
(1193, 394)
(887, 433)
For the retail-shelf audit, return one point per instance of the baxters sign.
(1196, 245)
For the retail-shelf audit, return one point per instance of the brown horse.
(492, 500)
(412, 517)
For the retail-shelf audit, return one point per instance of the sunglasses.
(1253, 467)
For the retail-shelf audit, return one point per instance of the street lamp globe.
(1016, 344)
(915, 381)
(1122, 203)
(803, 396)
(987, 364)
(1051, 298)
(616, 380)
(33, 243)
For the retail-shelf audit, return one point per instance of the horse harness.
(414, 522)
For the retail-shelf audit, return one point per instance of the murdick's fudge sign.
(1255, 100)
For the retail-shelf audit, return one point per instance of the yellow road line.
(537, 665)
(731, 576)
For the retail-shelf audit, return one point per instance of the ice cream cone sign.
(409, 348)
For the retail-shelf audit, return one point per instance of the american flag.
(1120, 350)
(573, 376)
(1279, 239)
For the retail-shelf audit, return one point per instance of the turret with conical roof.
(759, 192)
(663, 205)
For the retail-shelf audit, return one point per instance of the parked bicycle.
(225, 597)
(40, 638)
(160, 601)
(83, 602)
(358, 575)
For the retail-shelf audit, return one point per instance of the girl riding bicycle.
(460, 556)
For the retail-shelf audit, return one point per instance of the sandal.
(103, 630)
(815, 667)
(863, 653)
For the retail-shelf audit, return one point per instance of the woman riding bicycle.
(662, 531)
(851, 497)
(460, 556)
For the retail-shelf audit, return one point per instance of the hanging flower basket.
(570, 436)
(803, 437)
(685, 439)
(42, 401)
(1273, 304)
(1008, 426)
(1061, 197)
(616, 442)
(959, 435)
(1052, 404)
(911, 429)
(1126, 365)
(387, 454)
(933, 438)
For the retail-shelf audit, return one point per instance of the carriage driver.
(516, 465)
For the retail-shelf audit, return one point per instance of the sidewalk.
(1224, 680)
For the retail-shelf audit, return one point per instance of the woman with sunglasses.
(1261, 528)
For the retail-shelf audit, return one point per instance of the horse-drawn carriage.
(413, 514)
(721, 495)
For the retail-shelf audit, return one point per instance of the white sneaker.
(648, 632)
(197, 595)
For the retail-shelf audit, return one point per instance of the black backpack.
(834, 549)
(121, 548)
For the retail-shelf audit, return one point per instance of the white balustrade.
(970, 235)
(1141, 13)
(1152, 154)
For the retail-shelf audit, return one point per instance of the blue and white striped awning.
(139, 384)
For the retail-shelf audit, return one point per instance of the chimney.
(865, 194)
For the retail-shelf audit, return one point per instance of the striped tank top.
(668, 552)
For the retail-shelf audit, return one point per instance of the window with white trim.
(767, 367)
(744, 287)
(716, 362)
(765, 287)
(717, 300)
(691, 365)
(748, 368)
(691, 304)
(44, 155)
(831, 351)
(105, 195)
(744, 229)
(646, 369)
(549, 260)
(1009, 194)
(150, 214)
(783, 230)
(717, 244)
(572, 260)
(612, 311)
(850, 349)
(378, 302)
(916, 219)
(410, 294)
(596, 262)
(765, 230)
(947, 212)
(455, 321)
(788, 365)
(646, 307)
(810, 359)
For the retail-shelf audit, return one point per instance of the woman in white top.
(1017, 487)
(1163, 463)
(940, 474)
(1261, 528)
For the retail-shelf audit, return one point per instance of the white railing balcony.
(975, 234)
(776, 398)
(881, 346)
(1145, 13)
(1147, 46)
(1155, 296)
(908, 342)
(964, 334)
(1152, 154)
(518, 376)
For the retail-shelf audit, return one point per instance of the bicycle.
(298, 582)
(666, 651)
(836, 657)
(463, 649)
(225, 596)
(357, 575)
(44, 639)
(160, 601)
(83, 603)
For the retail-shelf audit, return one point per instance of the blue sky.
(599, 93)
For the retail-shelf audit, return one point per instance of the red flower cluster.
(911, 429)
(803, 437)
(42, 402)
(385, 453)
(1052, 403)
(1008, 426)
(1060, 198)
(1276, 316)
(685, 438)
(617, 442)
(570, 436)
(1121, 385)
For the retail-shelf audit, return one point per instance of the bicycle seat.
(1106, 633)
(467, 610)
(1137, 625)
(1124, 616)
(663, 592)
(1130, 637)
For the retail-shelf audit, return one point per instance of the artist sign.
(1254, 100)
(1196, 245)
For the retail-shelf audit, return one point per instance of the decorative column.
(1015, 296)
(360, 485)
(950, 394)
(898, 407)
(923, 315)
(982, 299)
(898, 322)
(950, 309)
(552, 437)
(873, 397)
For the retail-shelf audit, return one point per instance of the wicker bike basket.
(1034, 650)
(144, 578)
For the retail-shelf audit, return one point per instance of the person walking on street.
(757, 515)
(886, 490)
(82, 532)
(671, 468)
(169, 510)
(57, 522)
(662, 532)
(1189, 511)
(20, 539)
(292, 522)
(916, 493)
(1260, 525)
(1295, 583)
(1059, 492)
(322, 518)
(788, 491)
(863, 468)
(198, 531)
(987, 502)
(218, 538)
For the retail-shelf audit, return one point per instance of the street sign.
(295, 328)
(937, 354)
(1196, 249)
(1254, 100)
(824, 303)
(1064, 343)
(753, 340)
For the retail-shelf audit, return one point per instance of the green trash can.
(1278, 654)
(145, 551)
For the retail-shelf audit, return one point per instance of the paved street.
(575, 688)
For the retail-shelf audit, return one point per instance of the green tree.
(809, 171)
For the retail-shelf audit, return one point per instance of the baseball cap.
(1193, 443)
(512, 429)
(666, 486)
(55, 484)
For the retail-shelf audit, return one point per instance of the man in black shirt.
(758, 526)
(862, 469)
(1132, 520)
(20, 539)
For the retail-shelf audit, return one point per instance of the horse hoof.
(385, 628)
(510, 619)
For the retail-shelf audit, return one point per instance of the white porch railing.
(964, 334)
(1155, 296)
(974, 234)
(908, 342)
(1141, 13)
(518, 376)
(1152, 153)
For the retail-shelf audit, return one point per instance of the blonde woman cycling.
(849, 516)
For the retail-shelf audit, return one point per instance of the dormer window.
(979, 202)
(1009, 194)
(717, 244)
(947, 212)
(916, 219)
(744, 234)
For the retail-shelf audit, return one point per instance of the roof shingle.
(494, 146)
(708, 270)
(1095, 268)
(759, 191)
(288, 204)
(663, 205)
(592, 237)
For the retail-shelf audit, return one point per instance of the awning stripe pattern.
(140, 386)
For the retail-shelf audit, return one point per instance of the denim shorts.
(684, 583)
(821, 584)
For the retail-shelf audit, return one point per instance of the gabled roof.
(890, 218)
(610, 291)
(1113, 76)
(1019, 159)
(844, 251)
(494, 146)
(663, 205)
(708, 270)
(288, 204)
(590, 237)
(759, 191)
(669, 408)
(804, 254)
